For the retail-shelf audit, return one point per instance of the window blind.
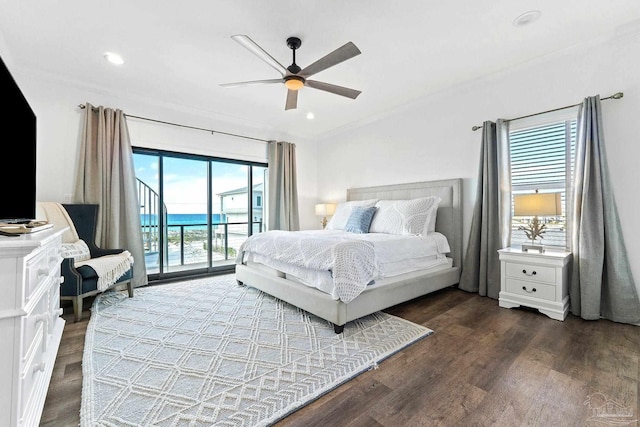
(542, 159)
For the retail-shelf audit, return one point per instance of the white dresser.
(30, 323)
(536, 280)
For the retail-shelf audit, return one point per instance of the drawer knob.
(43, 271)
(533, 273)
(39, 367)
(524, 288)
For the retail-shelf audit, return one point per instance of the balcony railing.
(186, 244)
(226, 240)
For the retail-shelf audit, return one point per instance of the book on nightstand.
(28, 228)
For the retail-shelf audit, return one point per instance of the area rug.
(211, 352)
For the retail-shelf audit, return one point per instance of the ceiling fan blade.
(338, 90)
(347, 51)
(252, 82)
(259, 52)
(292, 100)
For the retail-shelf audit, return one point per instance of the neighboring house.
(234, 204)
(234, 207)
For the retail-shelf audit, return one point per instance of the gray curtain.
(282, 202)
(491, 221)
(106, 177)
(602, 284)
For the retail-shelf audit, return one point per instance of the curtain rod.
(616, 95)
(190, 127)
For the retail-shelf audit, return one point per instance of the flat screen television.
(18, 152)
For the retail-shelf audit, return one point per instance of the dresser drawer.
(54, 304)
(531, 289)
(30, 324)
(37, 271)
(54, 251)
(538, 273)
(32, 370)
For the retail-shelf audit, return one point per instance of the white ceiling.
(178, 53)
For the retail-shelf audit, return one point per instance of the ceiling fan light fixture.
(294, 82)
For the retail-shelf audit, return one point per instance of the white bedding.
(318, 258)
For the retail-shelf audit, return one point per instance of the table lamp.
(324, 210)
(536, 204)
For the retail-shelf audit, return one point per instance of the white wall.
(432, 138)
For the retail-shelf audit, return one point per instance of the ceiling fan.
(294, 77)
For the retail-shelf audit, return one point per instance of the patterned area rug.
(210, 352)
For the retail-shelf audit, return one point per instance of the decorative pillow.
(79, 251)
(360, 219)
(405, 217)
(430, 224)
(343, 211)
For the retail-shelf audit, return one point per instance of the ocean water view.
(184, 219)
(189, 248)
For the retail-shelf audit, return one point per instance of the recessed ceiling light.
(310, 116)
(527, 18)
(114, 58)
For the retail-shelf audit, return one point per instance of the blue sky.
(185, 183)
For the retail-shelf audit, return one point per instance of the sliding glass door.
(196, 211)
(230, 209)
(184, 194)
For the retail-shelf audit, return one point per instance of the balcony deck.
(187, 247)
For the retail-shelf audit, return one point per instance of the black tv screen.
(18, 152)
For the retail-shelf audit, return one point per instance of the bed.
(382, 292)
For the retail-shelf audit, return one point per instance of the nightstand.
(536, 280)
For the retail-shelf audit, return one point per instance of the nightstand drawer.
(531, 272)
(531, 289)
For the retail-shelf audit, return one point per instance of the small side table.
(536, 280)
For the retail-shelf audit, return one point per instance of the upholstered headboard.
(449, 219)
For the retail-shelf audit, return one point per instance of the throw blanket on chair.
(109, 268)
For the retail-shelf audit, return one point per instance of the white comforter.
(354, 260)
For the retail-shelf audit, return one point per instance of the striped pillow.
(360, 219)
(79, 251)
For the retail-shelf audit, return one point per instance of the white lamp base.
(533, 248)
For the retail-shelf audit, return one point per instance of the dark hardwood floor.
(483, 366)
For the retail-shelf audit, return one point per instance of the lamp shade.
(537, 204)
(323, 209)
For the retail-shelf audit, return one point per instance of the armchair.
(82, 281)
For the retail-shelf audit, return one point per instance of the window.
(195, 210)
(542, 159)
